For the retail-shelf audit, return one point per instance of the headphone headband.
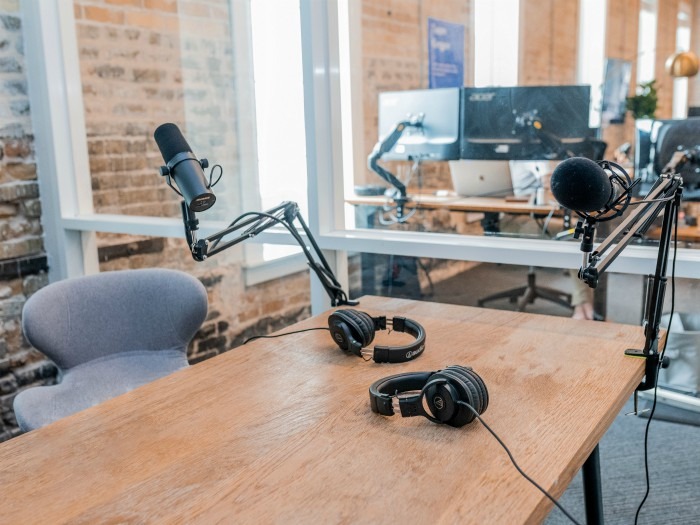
(400, 354)
(443, 392)
(383, 391)
(353, 330)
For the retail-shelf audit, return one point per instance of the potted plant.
(643, 104)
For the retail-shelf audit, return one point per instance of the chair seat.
(93, 382)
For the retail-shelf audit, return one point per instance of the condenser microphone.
(184, 167)
(582, 185)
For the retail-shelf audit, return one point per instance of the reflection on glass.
(142, 66)
(646, 49)
(279, 109)
(496, 35)
(533, 45)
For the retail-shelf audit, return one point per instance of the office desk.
(685, 233)
(280, 430)
(456, 203)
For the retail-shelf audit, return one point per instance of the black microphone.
(582, 185)
(184, 167)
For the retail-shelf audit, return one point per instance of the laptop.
(528, 175)
(481, 178)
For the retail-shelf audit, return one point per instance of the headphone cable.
(512, 459)
(500, 442)
(286, 333)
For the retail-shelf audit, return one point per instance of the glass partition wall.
(127, 69)
(555, 44)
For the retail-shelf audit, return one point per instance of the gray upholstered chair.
(108, 334)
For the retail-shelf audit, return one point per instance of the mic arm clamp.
(254, 223)
(665, 196)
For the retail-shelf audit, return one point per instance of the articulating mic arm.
(256, 222)
(681, 158)
(530, 124)
(664, 196)
(384, 146)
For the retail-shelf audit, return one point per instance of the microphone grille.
(580, 184)
(170, 141)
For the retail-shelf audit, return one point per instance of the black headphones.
(353, 330)
(446, 393)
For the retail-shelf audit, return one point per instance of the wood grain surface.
(280, 431)
(685, 233)
(457, 203)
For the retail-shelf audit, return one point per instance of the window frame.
(70, 221)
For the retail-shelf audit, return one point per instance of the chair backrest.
(599, 148)
(77, 320)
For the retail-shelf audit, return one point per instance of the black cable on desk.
(286, 333)
(512, 459)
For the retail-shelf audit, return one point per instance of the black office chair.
(527, 294)
(595, 150)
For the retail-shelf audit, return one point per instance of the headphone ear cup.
(468, 391)
(352, 330)
(441, 398)
(361, 324)
(481, 387)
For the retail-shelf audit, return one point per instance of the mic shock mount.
(253, 223)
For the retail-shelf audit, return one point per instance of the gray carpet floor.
(674, 466)
(674, 449)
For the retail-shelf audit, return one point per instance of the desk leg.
(600, 297)
(592, 491)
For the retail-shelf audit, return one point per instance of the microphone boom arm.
(664, 196)
(257, 222)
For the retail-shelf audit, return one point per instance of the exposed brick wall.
(145, 62)
(665, 47)
(395, 57)
(132, 81)
(548, 42)
(621, 42)
(694, 82)
(236, 311)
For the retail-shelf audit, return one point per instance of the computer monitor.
(616, 86)
(438, 136)
(657, 140)
(524, 123)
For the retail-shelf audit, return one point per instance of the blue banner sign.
(445, 54)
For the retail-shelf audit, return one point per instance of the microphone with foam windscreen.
(184, 167)
(586, 186)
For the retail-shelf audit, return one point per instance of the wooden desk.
(685, 233)
(456, 203)
(280, 430)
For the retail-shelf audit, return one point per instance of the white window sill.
(275, 269)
